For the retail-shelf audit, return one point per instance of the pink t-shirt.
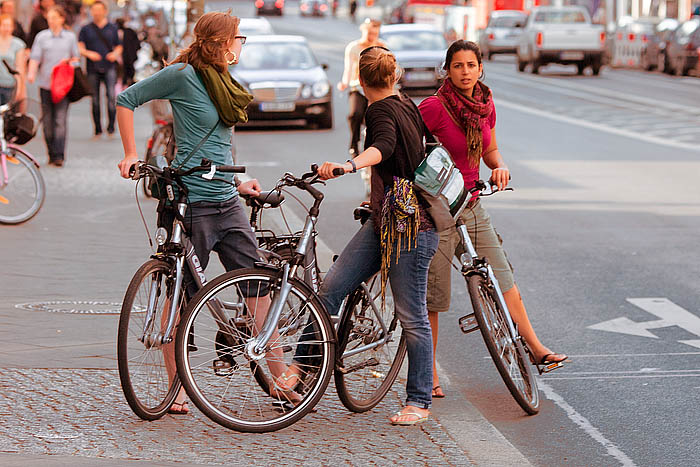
(453, 137)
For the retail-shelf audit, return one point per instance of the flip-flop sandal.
(418, 419)
(182, 410)
(285, 377)
(438, 396)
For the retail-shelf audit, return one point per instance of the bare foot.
(410, 415)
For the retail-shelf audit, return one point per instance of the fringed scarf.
(228, 96)
(467, 112)
(400, 224)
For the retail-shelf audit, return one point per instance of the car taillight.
(304, 7)
(279, 3)
(689, 47)
(539, 39)
(492, 36)
(259, 3)
(645, 39)
(602, 37)
(631, 37)
(324, 7)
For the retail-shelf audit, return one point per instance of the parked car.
(654, 50)
(502, 33)
(313, 8)
(285, 79)
(254, 27)
(269, 7)
(684, 47)
(420, 51)
(562, 35)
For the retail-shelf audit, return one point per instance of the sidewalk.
(61, 399)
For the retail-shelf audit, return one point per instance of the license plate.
(277, 106)
(420, 76)
(572, 55)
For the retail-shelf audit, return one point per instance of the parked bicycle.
(490, 315)
(22, 188)
(155, 297)
(160, 149)
(226, 378)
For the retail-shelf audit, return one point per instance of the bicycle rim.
(363, 379)
(23, 194)
(224, 381)
(142, 367)
(508, 353)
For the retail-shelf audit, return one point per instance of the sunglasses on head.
(374, 47)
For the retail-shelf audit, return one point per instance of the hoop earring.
(233, 60)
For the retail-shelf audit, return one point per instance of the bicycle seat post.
(467, 258)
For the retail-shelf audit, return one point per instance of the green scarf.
(228, 96)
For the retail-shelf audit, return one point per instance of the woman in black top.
(399, 239)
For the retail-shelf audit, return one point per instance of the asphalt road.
(605, 211)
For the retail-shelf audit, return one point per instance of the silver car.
(420, 50)
(502, 33)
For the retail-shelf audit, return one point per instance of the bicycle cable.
(145, 225)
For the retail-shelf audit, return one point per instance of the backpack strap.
(102, 37)
(196, 148)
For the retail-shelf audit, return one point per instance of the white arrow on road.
(669, 313)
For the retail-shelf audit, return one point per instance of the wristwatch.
(352, 163)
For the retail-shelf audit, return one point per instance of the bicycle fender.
(24, 153)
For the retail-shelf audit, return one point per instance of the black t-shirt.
(395, 128)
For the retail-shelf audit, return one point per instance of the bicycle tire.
(506, 351)
(230, 408)
(359, 327)
(139, 390)
(25, 177)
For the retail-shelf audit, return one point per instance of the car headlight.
(320, 88)
(306, 92)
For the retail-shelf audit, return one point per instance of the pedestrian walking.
(39, 22)
(462, 116)
(51, 47)
(130, 47)
(206, 103)
(7, 7)
(351, 80)
(12, 51)
(99, 42)
(399, 239)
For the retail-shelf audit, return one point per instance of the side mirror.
(324, 66)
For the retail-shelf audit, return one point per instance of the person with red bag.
(51, 48)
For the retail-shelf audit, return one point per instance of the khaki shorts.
(487, 243)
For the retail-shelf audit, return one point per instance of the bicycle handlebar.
(141, 169)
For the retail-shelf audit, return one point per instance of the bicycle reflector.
(20, 128)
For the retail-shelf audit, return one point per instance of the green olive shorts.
(487, 243)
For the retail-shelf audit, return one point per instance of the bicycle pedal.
(224, 368)
(363, 326)
(468, 323)
(542, 369)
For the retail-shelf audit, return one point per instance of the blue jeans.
(360, 259)
(108, 77)
(55, 117)
(6, 94)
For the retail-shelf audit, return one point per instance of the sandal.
(179, 408)
(438, 396)
(285, 377)
(417, 418)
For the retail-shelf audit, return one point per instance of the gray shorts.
(487, 243)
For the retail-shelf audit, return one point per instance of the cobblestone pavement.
(83, 413)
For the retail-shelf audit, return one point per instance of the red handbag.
(61, 81)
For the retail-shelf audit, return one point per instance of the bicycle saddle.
(270, 199)
(362, 213)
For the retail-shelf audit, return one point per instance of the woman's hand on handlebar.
(326, 170)
(126, 164)
(500, 177)
(250, 188)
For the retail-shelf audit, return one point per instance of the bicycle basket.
(20, 128)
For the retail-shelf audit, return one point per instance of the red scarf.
(467, 113)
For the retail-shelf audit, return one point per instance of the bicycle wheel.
(228, 390)
(507, 351)
(23, 194)
(142, 367)
(365, 374)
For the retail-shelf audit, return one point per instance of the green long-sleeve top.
(194, 115)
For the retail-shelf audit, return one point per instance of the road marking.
(597, 126)
(613, 355)
(585, 425)
(670, 314)
(623, 377)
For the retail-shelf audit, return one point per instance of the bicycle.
(156, 295)
(22, 187)
(160, 148)
(490, 315)
(216, 377)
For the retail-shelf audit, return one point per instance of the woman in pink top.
(461, 115)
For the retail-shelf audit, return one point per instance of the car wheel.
(661, 62)
(521, 64)
(488, 55)
(580, 68)
(536, 67)
(596, 65)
